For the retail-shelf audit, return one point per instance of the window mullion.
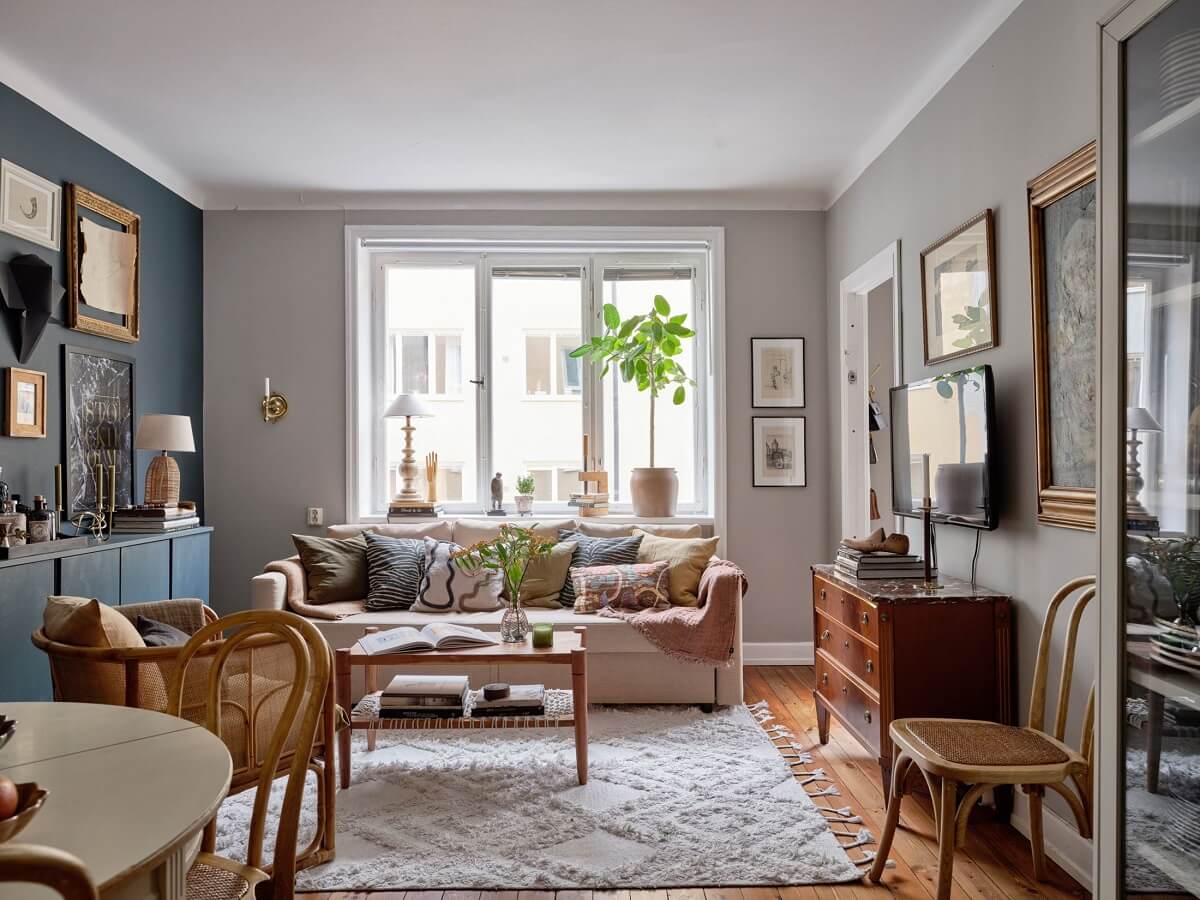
(483, 370)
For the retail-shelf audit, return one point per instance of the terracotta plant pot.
(654, 492)
(524, 504)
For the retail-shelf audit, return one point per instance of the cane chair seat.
(966, 744)
(210, 878)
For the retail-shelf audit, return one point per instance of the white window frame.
(367, 246)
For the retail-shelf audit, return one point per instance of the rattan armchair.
(59, 871)
(253, 698)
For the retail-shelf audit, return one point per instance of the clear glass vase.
(514, 625)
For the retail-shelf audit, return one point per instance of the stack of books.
(857, 564)
(522, 700)
(153, 519)
(399, 510)
(424, 697)
(595, 504)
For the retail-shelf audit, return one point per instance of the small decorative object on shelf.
(509, 553)
(274, 406)
(40, 522)
(543, 635)
(431, 471)
(593, 499)
(524, 496)
(495, 691)
(497, 496)
(13, 524)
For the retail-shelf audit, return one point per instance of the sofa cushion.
(631, 587)
(687, 558)
(610, 529)
(81, 622)
(160, 634)
(336, 568)
(472, 531)
(546, 575)
(445, 587)
(394, 569)
(590, 551)
(439, 529)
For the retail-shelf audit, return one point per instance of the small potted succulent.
(509, 553)
(524, 497)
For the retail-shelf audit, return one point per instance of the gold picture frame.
(121, 327)
(969, 250)
(1065, 498)
(24, 403)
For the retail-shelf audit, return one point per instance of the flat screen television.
(952, 419)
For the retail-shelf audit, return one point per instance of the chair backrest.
(59, 871)
(276, 665)
(1086, 585)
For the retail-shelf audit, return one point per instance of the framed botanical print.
(779, 451)
(25, 403)
(97, 425)
(1062, 257)
(777, 372)
(30, 206)
(103, 262)
(958, 291)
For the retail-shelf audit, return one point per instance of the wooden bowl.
(30, 798)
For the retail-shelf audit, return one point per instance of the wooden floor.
(994, 864)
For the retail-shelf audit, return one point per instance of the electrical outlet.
(316, 516)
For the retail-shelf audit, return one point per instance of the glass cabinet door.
(1159, 760)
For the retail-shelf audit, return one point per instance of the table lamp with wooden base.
(408, 407)
(164, 433)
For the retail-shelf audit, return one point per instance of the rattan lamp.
(408, 407)
(165, 433)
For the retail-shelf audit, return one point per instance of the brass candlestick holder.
(98, 521)
(274, 407)
(927, 508)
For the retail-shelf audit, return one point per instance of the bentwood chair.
(285, 653)
(59, 871)
(981, 755)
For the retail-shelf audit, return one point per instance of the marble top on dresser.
(909, 590)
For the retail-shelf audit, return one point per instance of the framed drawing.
(1062, 256)
(25, 403)
(779, 452)
(777, 372)
(98, 425)
(958, 291)
(30, 206)
(103, 259)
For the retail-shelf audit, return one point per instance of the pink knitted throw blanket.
(703, 634)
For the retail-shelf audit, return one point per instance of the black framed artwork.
(779, 451)
(777, 372)
(98, 420)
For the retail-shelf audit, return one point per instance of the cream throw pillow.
(687, 557)
(81, 622)
(545, 577)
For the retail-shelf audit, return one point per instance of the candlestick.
(925, 477)
(266, 387)
(112, 492)
(99, 489)
(58, 486)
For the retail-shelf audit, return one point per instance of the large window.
(484, 334)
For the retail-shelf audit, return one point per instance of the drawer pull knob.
(824, 678)
(867, 715)
(826, 634)
(845, 690)
(866, 618)
(822, 593)
(846, 644)
(870, 665)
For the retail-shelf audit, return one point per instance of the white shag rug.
(675, 798)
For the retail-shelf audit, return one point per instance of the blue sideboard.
(124, 569)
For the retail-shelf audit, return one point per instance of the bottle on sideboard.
(20, 507)
(4, 495)
(10, 516)
(40, 522)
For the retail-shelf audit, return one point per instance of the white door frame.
(854, 378)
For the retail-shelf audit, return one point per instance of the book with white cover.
(519, 695)
(409, 691)
(435, 636)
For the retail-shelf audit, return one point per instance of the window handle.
(478, 382)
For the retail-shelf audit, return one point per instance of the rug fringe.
(797, 755)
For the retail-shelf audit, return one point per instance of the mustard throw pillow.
(545, 577)
(687, 558)
(81, 622)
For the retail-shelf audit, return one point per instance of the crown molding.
(39, 91)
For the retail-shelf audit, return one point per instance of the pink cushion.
(632, 586)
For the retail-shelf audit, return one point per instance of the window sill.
(611, 519)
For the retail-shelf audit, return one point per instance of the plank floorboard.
(994, 865)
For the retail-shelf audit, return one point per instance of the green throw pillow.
(545, 577)
(336, 568)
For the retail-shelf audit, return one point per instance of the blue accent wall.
(169, 367)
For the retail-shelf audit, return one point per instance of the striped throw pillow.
(590, 551)
(447, 588)
(394, 569)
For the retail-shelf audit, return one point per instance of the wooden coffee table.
(563, 708)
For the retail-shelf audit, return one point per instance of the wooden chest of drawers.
(890, 650)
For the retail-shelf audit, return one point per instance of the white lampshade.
(1138, 418)
(164, 432)
(407, 405)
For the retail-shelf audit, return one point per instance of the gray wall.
(1026, 99)
(167, 369)
(274, 305)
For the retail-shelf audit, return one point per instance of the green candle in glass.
(543, 634)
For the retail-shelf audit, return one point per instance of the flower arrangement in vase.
(510, 554)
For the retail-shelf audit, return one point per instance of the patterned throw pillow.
(590, 551)
(447, 588)
(633, 587)
(394, 568)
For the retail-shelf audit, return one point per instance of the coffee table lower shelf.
(560, 713)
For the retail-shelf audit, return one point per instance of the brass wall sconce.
(274, 406)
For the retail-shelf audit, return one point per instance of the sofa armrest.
(723, 583)
(268, 591)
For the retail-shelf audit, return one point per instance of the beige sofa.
(623, 667)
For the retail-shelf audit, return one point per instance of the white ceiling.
(600, 103)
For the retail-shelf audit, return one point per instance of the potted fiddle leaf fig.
(524, 496)
(645, 349)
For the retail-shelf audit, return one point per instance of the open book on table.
(434, 636)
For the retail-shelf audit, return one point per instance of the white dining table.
(129, 793)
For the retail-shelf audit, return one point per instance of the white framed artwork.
(779, 451)
(30, 206)
(777, 372)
